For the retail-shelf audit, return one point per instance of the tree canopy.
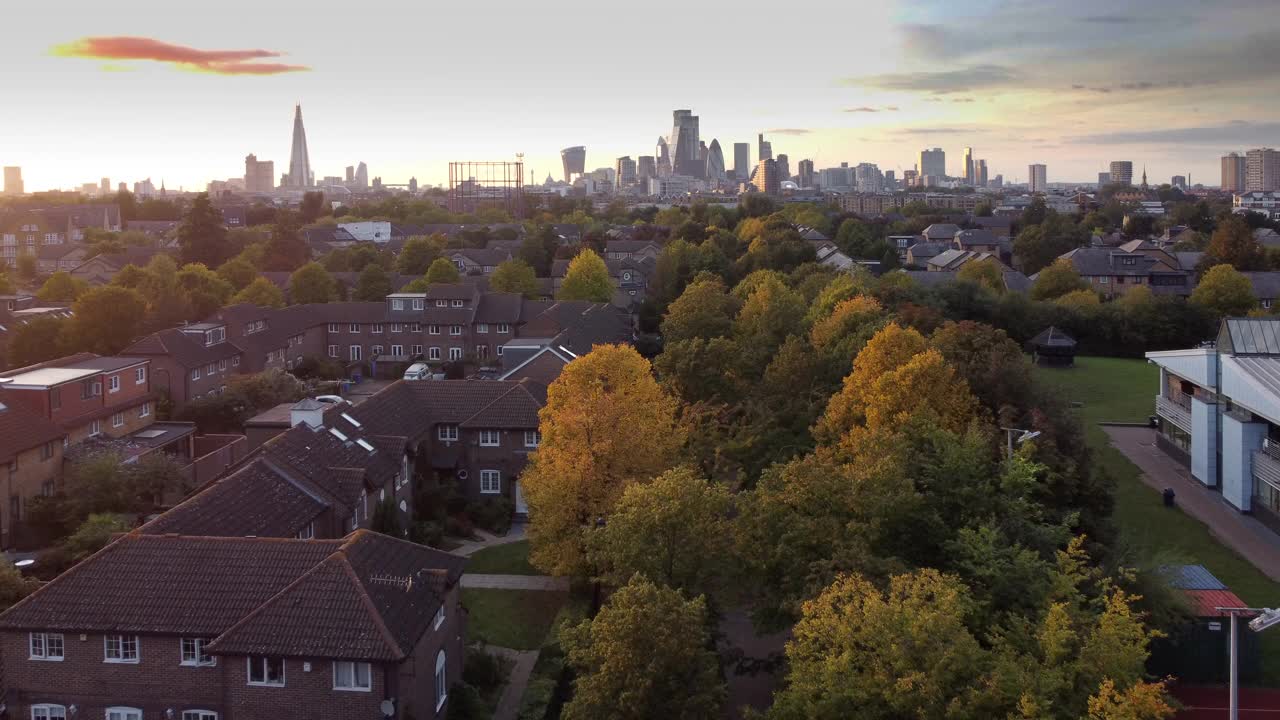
(586, 279)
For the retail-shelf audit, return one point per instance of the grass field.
(509, 559)
(517, 619)
(1113, 389)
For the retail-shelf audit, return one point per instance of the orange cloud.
(222, 62)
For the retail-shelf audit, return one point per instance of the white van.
(418, 371)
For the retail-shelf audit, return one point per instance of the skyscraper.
(1122, 172)
(646, 167)
(259, 175)
(742, 160)
(933, 163)
(1233, 172)
(1037, 178)
(574, 160)
(784, 167)
(766, 177)
(968, 166)
(351, 175)
(300, 175)
(1104, 179)
(806, 173)
(1262, 170)
(624, 172)
(362, 175)
(13, 180)
(663, 155)
(764, 148)
(104, 187)
(715, 161)
(980, 173)
(685, 156)
(867, 178)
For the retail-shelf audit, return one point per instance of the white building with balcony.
(1218, 411)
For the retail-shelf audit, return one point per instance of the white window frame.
(199, 715)
(457, 303)
(455, 329)
(195, 373)
(140, 376)
(447, 433)
(439, 618)
(354, 677)
(95, 428)
(333, 351)
(354, 352)
(482, 328)
(455, 353)
(46, 711)
(535, 436)
(263, 660)
(117, 420)
(490, 438)
(490, 476)
(499, 351)
(121, 659)
(441, 680)
(433, 329)
(504, 328)
(45, 655)
(353, 328)
(419, 303)
(145, 410)
(376, 329)
(442, 303)
(199, 658)
(375, 351)
(335, 328)
(397, 350)
(434, 354)
(120, 712)
(308, 532)
(397, 304)
(397, 327)
(235, 361)
(113, 384)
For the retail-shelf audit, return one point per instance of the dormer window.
(397, 304)
(457, 303)
(214, 336)
(447, 433)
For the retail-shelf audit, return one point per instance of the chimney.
(307, 411)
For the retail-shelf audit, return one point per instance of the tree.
(515, 276)
(845, 319)
(13, 586)
(418, 253)
(373, 284)
(239, 272)
(93, 534)
(6, 285)
(539, 249)
(36, 340)
(647, 654)
(674, 531)
(311, 207)
(587, 279)
(312, 284)
(442, 270)
(606, 425)
(1082, 300)
(28, 267)
(1225, 292)
(987, 273)
(1056, 280)
(202, 236)
(61, 288)
(167, 301)
(105, 320)
(130, 276)
(206, 291)
(1233, 244)
(704, 310)
(286, 251)
(842, 666)
(261, 292)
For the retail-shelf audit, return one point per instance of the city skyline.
(202, 93)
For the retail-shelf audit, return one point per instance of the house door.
(522, 508)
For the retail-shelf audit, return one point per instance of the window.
(499, 351)
(503, 328)
(447, 432)
(434, 354)
(353, 328)
(46, 646)
(397, 350)
(376, 329)
(335, 327)
(199, 715)
(455, 353)
(417, 351)
(113, 384)
(455, 329)
(442, 682)
(490, 438)
(46, 451)
(308, 532)
(457, 303)
(117, 420)
(90, 388)
(235, 361)
(123, 713)
(352, 676)
(120, 648)
(333, 351)
(193, 652)
(375, 350)
(415, 327)
(397, 304)
(195, 374)
(354, 352)
(482, 351)
(442, 303)
(222, 365)
(490, 481)
(532, 438)
(211, 369)
(48, 712)
(1103, 280)
(266, 671)
(139, 376)
(397, 327)
(439, 619)
(419, 303)
(95, 428)
(433, 329)
(145, 410)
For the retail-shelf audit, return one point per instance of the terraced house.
(219, 628)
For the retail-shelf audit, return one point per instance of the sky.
(181, 92)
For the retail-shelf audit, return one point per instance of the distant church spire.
(299, 161)
(1144, 177)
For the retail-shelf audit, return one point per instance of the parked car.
(418, 371)
(330, 399)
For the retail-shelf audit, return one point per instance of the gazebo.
(1053, 348)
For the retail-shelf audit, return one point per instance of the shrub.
(427, 533)
(464, 703)
(482, 671)
(492, 514)
(459, 526)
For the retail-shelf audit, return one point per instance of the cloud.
(932, 131)
(788, 131)
(1111, 19)
(943, 82)
(866, 109)
(962, 100)
(1232, 134)
(222, 62)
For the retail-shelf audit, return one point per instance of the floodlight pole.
(1233, 712)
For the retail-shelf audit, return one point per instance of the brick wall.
(25, 482)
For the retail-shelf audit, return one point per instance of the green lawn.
(517, 619)
(509, 559)
(1124, 391)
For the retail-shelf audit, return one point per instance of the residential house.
(1112, 271)
(630, 278)
(1013, 280)
(192, 361)
(102, 269)
(941, 232)
(202, 628)
(952, 259)
(59, 258)
(477, 261)
(919, 254)
(31, 463)
(1266, 287)
(1001, 227)
(631, 249)
(86, 395)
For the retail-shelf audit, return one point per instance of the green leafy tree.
(418, 253)
(202, 236)
(587, 279)
(311, 283)
(373, 285)
(987, 273)
(35, 341)
(130, 276)
(93, 534)
(61, 288)
(646, 655)
(442, 270)
(704, 310)
(1232, 243)
(167, 301)
(206, 291)
(105, 320)
(261, 292)
(417, 285)
(312, 206)
(1225, 292)
(13, 586)
(539, 248)
(28, 267)
(287, 250)
(239, 272)
(515, 276)
(1056, 280)
(6, 285)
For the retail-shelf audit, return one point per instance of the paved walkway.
(513, 692)
(1251, 539)
(515, 582)
(515, 534)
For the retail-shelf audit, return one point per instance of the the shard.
(299, 161)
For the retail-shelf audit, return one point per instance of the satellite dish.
(388, 708)
(462, 474)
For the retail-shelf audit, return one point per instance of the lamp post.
(1022, 436)
(1266, 617)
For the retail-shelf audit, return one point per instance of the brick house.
(205, 628)
(193, 361)
(1112, 271)
(630, 278)
(85, 394)
(30, 465)
(477, 261)
(631, 249)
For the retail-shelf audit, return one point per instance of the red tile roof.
(1204, 603)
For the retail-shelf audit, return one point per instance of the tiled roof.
(185, 350)
(252, 501)
(22, 430)
(975, 237)
(941, 231)
(516, 408)
(499, 308)
(481, 256)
